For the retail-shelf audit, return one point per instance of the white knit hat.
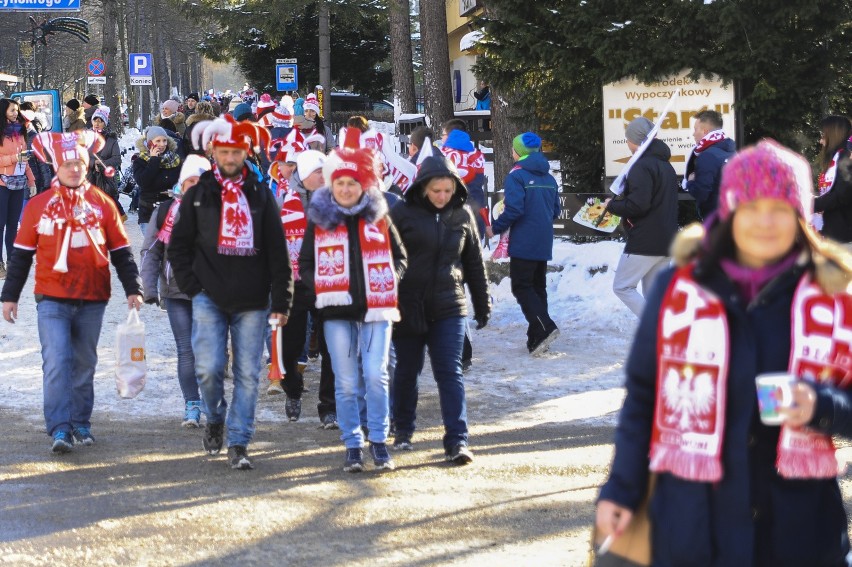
(193, 165)
(308, 162)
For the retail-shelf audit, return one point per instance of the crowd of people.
(260, 218)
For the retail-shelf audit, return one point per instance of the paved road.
(146, 495)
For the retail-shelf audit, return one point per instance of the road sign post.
(141, 69)
(96, 71)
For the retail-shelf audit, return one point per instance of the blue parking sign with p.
(141, 65)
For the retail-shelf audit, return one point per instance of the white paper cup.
(774, 391)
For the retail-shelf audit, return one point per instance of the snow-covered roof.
(469, 40)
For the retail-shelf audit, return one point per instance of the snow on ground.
(579, 379)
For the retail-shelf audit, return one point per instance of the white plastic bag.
(130, 365)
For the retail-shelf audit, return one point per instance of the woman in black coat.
(834, 203)
(440, 233)
(757, 291)
(109, 156)
(156, 170)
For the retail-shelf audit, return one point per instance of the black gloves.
(481, 322)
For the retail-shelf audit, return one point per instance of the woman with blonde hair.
(754, 291)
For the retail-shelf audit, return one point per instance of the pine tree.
(788, 62)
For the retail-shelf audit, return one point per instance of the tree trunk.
(436, 62)
(108, 45)
(161, 64)
(124, 63)
(324, 57)
(401, 58)
(142, 41)
(510, 116)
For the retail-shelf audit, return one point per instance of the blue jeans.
(11, 204)
(69, 351)
(444, 339)
(210, 326)
(180, 319)
(357, 347)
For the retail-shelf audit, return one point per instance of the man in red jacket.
(74, 231)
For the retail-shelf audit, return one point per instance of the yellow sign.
(628, 99)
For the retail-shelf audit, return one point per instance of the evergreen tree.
(788, 62)
(256, 33)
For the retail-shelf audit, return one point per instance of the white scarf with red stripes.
(693, 349)
(236, 230)
(332, 275)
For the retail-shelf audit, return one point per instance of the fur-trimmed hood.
(194, 118)
(325, 212)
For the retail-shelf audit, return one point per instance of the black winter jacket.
(752, 517)
(234, 283)
(323, 211)
(155, 181)
(444, 254)
(648, 205)
(111, 157)
(707, 167)
(836, 205)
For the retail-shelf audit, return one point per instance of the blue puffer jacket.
(752, 517)
(707, 167)
(532, 202)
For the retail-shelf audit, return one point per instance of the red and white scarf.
(693, 349)
(824, 185)
(332, 277)
(294, 223)
(80, 223)
(236, 231)
(708, 140)
(165, 234)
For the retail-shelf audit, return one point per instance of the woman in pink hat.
(744, 475)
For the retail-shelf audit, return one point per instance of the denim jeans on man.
(11, 204)
(357, 347)
(444, 338)
(210, 326)
(529, 286)
(180, 319)
(69, 333)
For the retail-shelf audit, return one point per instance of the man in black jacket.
(648, 207)
(228, 254)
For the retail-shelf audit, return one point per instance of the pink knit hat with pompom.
(767, 170)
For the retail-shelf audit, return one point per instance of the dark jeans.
(180, 319)
(444, 339)
(529, 286)
(293, 341)
(11, 204)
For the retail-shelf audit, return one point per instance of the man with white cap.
(74, 232)
(648, 207)
(229, 255)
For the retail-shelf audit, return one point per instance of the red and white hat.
(265, 102)
(228, 133)
(311, 103)
(55, 148)
(363, 165)
(281, 117)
